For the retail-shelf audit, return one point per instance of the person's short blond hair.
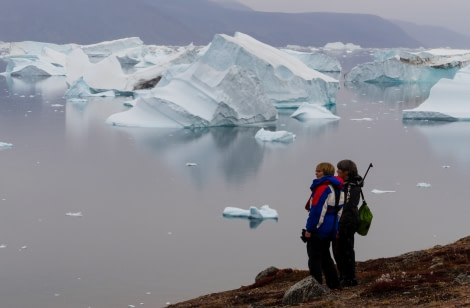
(326, 168)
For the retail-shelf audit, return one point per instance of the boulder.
(304, 290)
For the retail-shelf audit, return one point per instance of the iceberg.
(108, 72)
(278, 136)
(396, 67)
(201, 97)
(449, 100)
(107, 48)
(287, 81)
(32, 67)
(235, 81)
(265, 212)
(341, 46)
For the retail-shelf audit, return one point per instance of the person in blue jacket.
(322, 221)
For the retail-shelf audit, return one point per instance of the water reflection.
(253, 223)
(448, 140)
(410, 94)
(48, 87)
(228, 152)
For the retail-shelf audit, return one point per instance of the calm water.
(152, 230)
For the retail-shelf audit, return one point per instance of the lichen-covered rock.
(304, 290)
(270, 271)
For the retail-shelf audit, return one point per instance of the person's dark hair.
(349, 166)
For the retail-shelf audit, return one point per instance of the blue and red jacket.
(323, 216)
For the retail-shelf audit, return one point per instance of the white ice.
(423, 185)
(265, 212)
(449, 99)
(341, 46)
(4, 145)
(311, 111)
(277, 136)
(377, 191)
(316, 60)
(74, 214)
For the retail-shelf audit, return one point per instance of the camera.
(303, 238)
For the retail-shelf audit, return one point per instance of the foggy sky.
(453, 14)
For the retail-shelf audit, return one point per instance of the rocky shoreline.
(435, 277)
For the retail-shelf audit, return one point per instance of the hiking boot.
(348, 283)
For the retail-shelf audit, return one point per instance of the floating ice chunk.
(191, 164)
(362, 119)
(377, 191)
(5, 145)
(265, 212)
(76, 214)
(308, 111)
(3, 246)
(423, 185)
(278, 136)
(446, 166)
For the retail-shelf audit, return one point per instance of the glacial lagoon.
(94, 215)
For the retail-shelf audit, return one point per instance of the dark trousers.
(345, 256)
(320, 261)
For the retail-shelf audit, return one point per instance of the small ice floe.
(57, 105)
(191, 164)
(3, 246)
(278, 136)
(377, 191)
(76, 214)
(423, 185)
(265, 212)
(4, 145)
(254, 215)
(362, 119)
(446, 166)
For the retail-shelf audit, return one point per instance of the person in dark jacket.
(321, 224)
(344, 253)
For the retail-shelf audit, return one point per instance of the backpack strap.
(362, 196)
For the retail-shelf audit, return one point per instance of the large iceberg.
(288, 82)
(393, 67)
(236, 81)
(449, 100)
(201, 97)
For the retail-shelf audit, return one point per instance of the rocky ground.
(436, 277)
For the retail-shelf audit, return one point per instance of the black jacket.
(349, 220)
